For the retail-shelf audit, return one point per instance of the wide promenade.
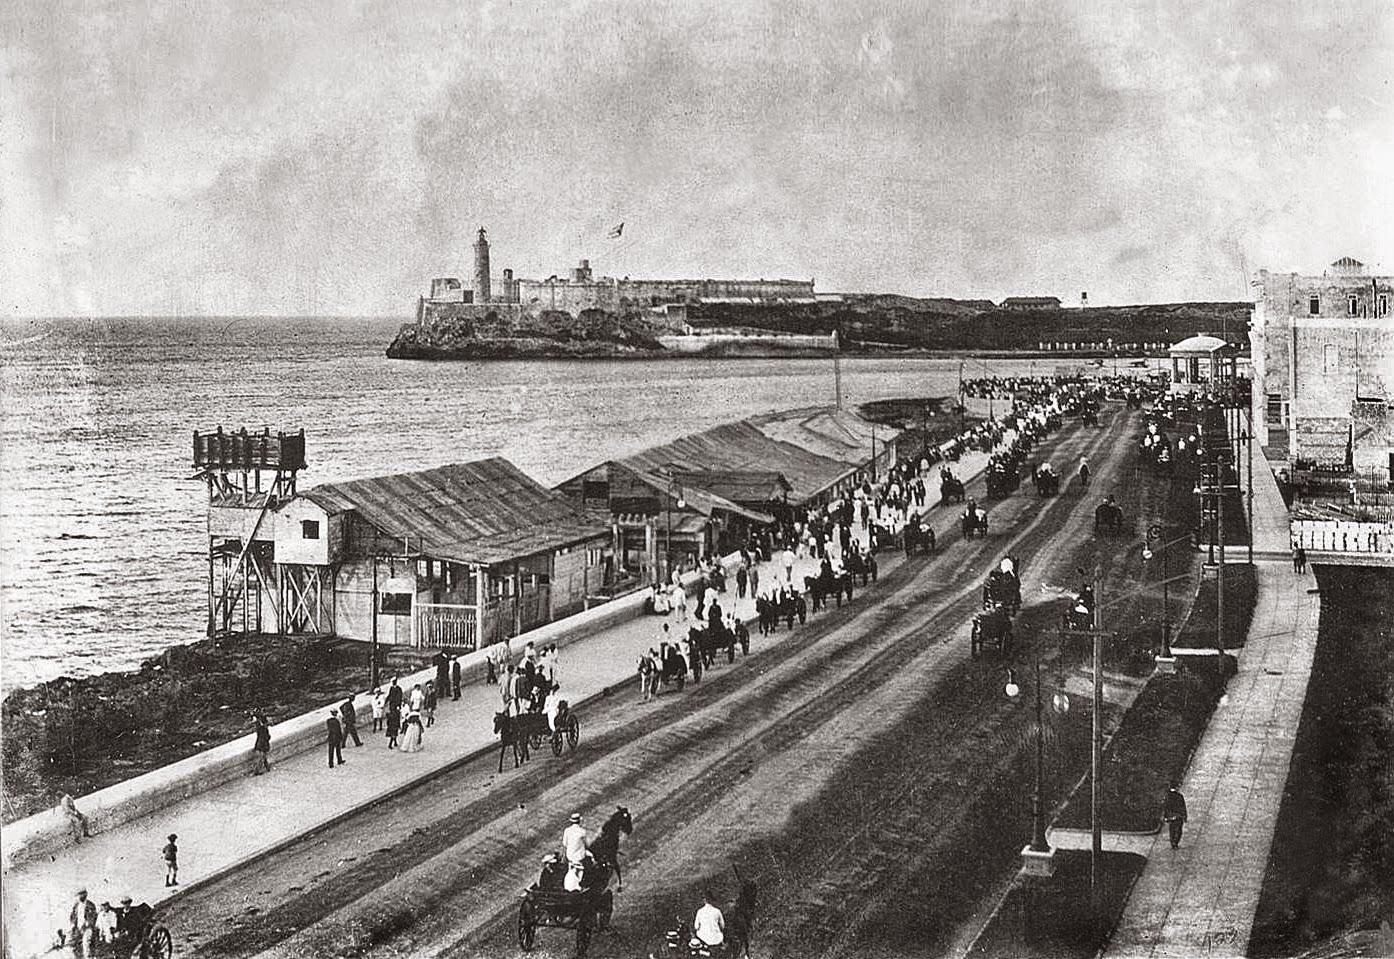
(229, 827)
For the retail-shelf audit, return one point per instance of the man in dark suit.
(335, 732)
(442, 672)
(394, 696)
(350, 721)
(455, 678)
(1174, 812)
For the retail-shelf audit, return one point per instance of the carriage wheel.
(556, 743)
(605, 910)
(573, 733)
(157, 944)
(527, 926)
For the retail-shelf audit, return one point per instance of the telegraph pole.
(1096, 849)
(1220, 570)
(1249, 455)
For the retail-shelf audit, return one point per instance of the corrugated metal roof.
(743, 447)
(738, 486)
(696, 497)
(484, 512)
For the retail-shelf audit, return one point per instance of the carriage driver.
(709, 925)
(574, 841)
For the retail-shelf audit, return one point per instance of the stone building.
(1323, 364)
(583, 290)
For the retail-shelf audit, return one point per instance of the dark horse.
(514, 731)
(741, 916)
(605, 849)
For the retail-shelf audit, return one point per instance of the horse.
(1047, 481)
(815, 587)
(1084, 473)
(740, 917)
(512, 732)
(974, 522)
(993, 625)
(1108, 517)
(605, 849)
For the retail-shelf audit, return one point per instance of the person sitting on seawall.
(709, 925)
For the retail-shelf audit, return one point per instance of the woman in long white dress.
(411, 736)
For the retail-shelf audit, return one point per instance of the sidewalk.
(228, 826)
(1200, 899)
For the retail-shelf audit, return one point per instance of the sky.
(331, 157)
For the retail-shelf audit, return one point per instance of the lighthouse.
(481, 268)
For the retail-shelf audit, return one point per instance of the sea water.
(103, 559)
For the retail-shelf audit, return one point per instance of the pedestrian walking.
(394, 694)
(417, 699)
(379, 709)
(491, 671)
(741, 578)
(394, 724)
(1299, 560)
(413, 733)
(349, 714)
(506, 691)
(171, 857)
(334, 733)
(1174, 813)
(788, 565)
(455, 672)
(82, 924)
(442, 670)
(754, 580)
(261, 748)
(429, 704)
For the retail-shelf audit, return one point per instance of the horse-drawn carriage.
(679, 943)
(1080, 613)
(917, 536)
(1089, 415)
(974, 522)
(992, 626)
(1047, 480)
(548, 904)
(1003, 586)
(950, 488)
(1108, 518)
(528, 731)
(1001, 480)
(138, 934)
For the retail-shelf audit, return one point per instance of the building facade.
(1323, 365)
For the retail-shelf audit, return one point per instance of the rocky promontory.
(504, 333)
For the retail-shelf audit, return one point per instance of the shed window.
(1352, 305)
(309, 529)
(1314, 305)
(1275, 407)
(395, 604)
(1383, 304)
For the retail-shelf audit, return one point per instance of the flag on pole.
(617, 231)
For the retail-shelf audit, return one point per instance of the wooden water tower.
(248, 475)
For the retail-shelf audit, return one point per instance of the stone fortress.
(582, 290)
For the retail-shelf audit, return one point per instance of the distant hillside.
(943, 324)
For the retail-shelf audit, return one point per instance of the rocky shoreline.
(76, 736)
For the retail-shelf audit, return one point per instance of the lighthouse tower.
(481, 268)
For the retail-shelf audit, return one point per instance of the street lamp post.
(1166, 662)
(1037, 858)
(674, 492)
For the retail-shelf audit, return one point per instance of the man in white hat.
(573, 840)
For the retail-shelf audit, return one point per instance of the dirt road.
(838, 767)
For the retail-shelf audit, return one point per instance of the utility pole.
(1249, 455)
(1096, 848)
(1220, 570)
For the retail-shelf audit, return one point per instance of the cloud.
(332, 157)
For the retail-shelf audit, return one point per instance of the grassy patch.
(79, 735)
(1331, 867)
(1051, 918)
(1241, 592)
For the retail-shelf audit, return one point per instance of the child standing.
(171, 855)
